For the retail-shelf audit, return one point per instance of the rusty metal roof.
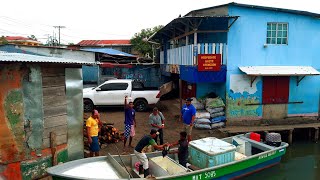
(104, 42)
(291, 11)
(279, 70)
(18, 57)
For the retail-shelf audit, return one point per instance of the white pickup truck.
(113, 92)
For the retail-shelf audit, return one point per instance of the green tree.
(3, 40)
(138, 40)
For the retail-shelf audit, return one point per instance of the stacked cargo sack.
(216, 108)
(198, 104)
(202, 120)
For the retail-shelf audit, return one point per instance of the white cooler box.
(210, 151)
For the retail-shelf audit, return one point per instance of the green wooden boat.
(261, 156)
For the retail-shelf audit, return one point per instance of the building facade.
(269, 58)
(41, 113)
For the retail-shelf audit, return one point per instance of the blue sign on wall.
(191, 74)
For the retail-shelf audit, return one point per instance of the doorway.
(275, 97)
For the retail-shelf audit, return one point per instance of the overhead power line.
(59, 27)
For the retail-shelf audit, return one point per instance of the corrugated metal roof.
(12, 38)
(220, 22)
(279, 70)
(18, 57)
(104, 42)
(108, 51)
(291, 11)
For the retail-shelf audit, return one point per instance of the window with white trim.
(277, 33)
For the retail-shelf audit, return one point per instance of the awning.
(279, 70)
(108, 51)
(113, 65)
(201, 24)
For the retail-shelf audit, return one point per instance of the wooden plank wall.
(54, 105)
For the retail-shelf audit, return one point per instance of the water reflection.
(301, 162)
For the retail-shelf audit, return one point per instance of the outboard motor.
(273, 139)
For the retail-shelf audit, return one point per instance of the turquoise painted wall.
(205, 88)
(246, 39)
(308, 91)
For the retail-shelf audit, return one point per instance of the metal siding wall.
(161, 57)
(33, 104)
(74, 86)
(90, 74)
(184, 55)
(149, 75)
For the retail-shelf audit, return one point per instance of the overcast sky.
(108, 19)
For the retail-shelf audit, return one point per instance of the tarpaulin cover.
(192, 75)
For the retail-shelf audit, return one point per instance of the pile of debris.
(109, 134)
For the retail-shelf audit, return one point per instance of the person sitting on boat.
(182, 150)
(144, 141)
(92, 125)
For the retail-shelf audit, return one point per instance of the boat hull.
(236, 169)
(232, 170)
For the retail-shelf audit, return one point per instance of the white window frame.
(276, 37)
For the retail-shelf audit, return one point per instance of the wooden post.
(53, 145)
(316, 134)
(310, 133)
(180, 95)
(195, 47)
(290, 136)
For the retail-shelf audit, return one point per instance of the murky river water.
(301, 162)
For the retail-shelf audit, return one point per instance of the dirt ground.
(169, 108)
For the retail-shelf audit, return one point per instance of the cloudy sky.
(108, 19)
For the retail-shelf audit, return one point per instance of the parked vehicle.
(112, 93)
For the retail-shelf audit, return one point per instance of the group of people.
(157, 123)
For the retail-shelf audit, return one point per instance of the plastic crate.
(210, 151)
(255, 136)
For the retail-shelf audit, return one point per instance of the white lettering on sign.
(267, 155)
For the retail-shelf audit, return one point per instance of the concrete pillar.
(290, 136)
(316, 134)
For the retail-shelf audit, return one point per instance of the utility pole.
(59, 27)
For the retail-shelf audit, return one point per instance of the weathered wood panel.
(54, 91)
(50, 101)
(55, 111)
(53, 71)
(53, 81)
(59, 130)
(55, 121)
(61, 139)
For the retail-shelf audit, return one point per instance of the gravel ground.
(169, 108)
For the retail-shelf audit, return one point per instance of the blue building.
(269, 59)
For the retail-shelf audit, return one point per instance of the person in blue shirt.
(129, 122)
(188, 114)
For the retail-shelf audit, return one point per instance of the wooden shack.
(41, 113)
